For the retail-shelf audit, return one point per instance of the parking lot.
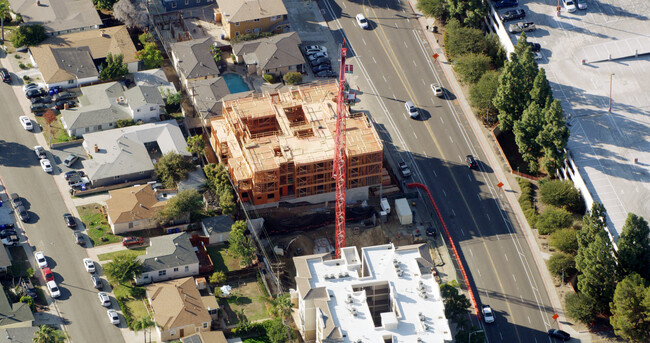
(604, 144)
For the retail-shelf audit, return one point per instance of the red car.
(128, 241)
(47, 274)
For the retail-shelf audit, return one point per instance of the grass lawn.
(96, 225)
(111, 255)
(136, 305)
(222, 260)
(247, 297)
(59, 134)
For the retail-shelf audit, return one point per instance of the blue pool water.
(235, 83)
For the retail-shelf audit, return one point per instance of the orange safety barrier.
(453, 246)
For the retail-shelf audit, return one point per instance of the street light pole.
(610, 92)
(469, 337)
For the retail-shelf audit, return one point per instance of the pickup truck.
(10, 240)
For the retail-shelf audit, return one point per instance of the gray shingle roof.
(58, 15)
(271, 52)
(142, 95)
(243, 10)
(13, 314)
(98, 105)
(218, 224)
(168, 251)
(195, 58)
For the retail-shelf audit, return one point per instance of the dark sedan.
(322, 60)
(38, 107)
(41, 100)
(513, 15)
(69, 220)
(555, 333)
(506, 3)
(535, 47)
(59, 105)
(326, 73)
(33, 93)
(322, 67)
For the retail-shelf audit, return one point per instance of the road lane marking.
(444, 193)
(470, 179)
(453, 212)
(506, 256)
(384, 77)
(452, 141)
(463, 233)
(500, 335)
(478, 195)
(514, 278)
(406, 45)
(441, 120)
(414, 135)
(364, 41)
(470, 251)
(487, 215)
(434, 173)
(415, 63)
(374, 60)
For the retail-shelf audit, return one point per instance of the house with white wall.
(168, 257)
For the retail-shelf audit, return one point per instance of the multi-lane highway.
(84, 318)
(393, 64)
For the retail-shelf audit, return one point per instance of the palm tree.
(48, 334)
(5, 10)
(143, 324)
(280, 306)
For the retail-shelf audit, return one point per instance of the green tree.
(124, 123)
(270, 78)
(562, 193)
(553, 137)
(525, 57)
(28, 35)
(218, 277)
(48, 334)
(195, 144)
(292, 78)
(560, 264)
(526, 131)
(277, 331)
(26, 299)
(217, 177)
(173, 98)
(631, 309)
(146, 38)
(512, 96)
(496, 51)
(464, 40)
(565, 240)
(468, 12)
(541, 92)
(123, 269)
(150, 56)
(5, 11)
(104, 4)
(280, 306)
(634, 248)
(142, 324)
(593, 225)
(113, 67)
(482, 93)
(241, 246)
(172, 168)
(227, 202)
(580, 307)
(552, 219)
(597, 265)
(456, 304)
(470, 67)
(187, 201)
(432, 8)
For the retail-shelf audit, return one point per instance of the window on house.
(172, 332)
(131, 225)
(256, 20)
(162, 273)
(173, 4)
(110, 124)
(175, 269)
(116, 177)
(87, 129)
(99, 127)
(236, 33)
(151, 108)
(187, 268)
(138, 110)
(205, 325)
(237, 24)
(70, 82)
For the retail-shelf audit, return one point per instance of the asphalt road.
(79, 307)
(393, 64)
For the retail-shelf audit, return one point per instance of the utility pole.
(610, 92)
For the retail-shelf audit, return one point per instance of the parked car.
(513, 15)
(38, 107)
(362, 21)
(40, 152)
(535, 47)
(431, 232)
(64, 96)
(471, 162)
(40, 259)
(70, 160)
(321, 67)
(41, 100)
(22, 214)
(54, 289)
(506, 3)
(132, 240)
(10, 240)
(69, 220)
(6, 77)
(59, 105)
(320, 54)
(71, 173)
(582, 4)
(437, 90)
(326, 73)
(322, 60)
(404, 169)
(35, 92)
(46, 165)
(522, 27)
(411, 111)
(47, 274)
(113, 317)
(31, 85)
(563, 335)
(488, 315)
(7, 232)
(97, 281)
(26, 123)
(312, 49)
(104, 299)
(79, 238)
(16, 201)
(89, 265)
(569, 5)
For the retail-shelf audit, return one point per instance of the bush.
(580, 307)
(124, 123)
(22, 66)
(251, 36)
(470, 67)
(560, 263)
(526, 201)
(270, 78)
(138, 292)
(551, 219)
(26, 78)
(292, 78)
(28, 35)
(126, 311)
(26, 299)
(562, 193)
(565, 240)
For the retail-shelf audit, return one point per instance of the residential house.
(207, 97)
(16, 315)
(58, 16)
(155, 78)
(217, 229)
(5, 261)
(168, 257)
(194, 60)
(102, 105)
(240, 17)
(205, 337)
(177, 5)
(129, 153)
(18, 335)
(275, 55)
(134, 208)
(178, 309)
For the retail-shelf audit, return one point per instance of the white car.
(104, 299)
(362, 21)
(40, 259)
(113, 317)
(54, 289)
(437, 90)
(312, 49)
(46, 165)
(569, 5)
(411, 110)
(31, 86)
(89, 265)
(26, 123)
(582, 4)
(488, 315)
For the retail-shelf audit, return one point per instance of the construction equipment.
(339, 168)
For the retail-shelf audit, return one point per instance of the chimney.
(96, 148)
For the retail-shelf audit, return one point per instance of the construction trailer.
(280, 145)
(403, 211)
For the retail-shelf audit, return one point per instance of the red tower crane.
(339, 166)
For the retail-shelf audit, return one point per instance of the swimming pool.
(235, 83)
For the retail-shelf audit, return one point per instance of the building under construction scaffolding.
(280, 145)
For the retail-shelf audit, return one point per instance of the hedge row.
(126, 311)
(526, 201)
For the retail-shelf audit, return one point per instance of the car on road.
(113, 317)
(97, 281)
(506, 4)
(79, 238)
(322, 60)
(362, 21)
(582, 4)
(40, 152)
(132, 240)
(312, 49)
(513, 15)
(104, 299)
(471, 162)
(563, 335)
(26, 123)
(321, 67)
(404, 169)
(89, 265)
(437, 90)
(47, 274)
(35, 92)
(46, 165)
(488, 315)
(431, 232)
(522, 27)
(6, 77)
(31, 85)
(535, 47)
(40, 259)
(22, 214)
(326, 73)
(69, 220)
(70, 160)
(411, 111)
(15, 200)
(64, 96)
(569, 5)
(60, 105)
(54, 289)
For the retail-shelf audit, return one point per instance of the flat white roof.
(414, 318)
